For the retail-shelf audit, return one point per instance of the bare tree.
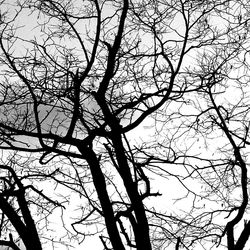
(80, 77)
(28, 205)
(13, 192)
(17, 226)
(213, 123)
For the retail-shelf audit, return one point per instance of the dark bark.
(24, 225)
(141, 228)
(27, 231)
(243, 237)
(101, 189)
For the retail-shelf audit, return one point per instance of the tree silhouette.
(81, 79)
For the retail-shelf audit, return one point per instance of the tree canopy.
(132, 115)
